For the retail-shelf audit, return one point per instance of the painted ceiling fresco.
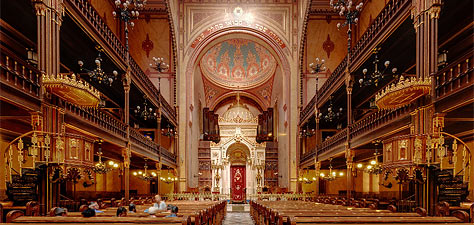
(238, 64)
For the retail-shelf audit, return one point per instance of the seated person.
(60, 211)
(89, 212)
(159, 203)
(132, 208)
(95, 207)
(121, 211)
(174, 211)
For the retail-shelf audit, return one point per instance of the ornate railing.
(17, 73)
(167, 108)
(377, 119)
(336, 74)
(308, 109)
(333, 141)
(391, 10)
(142, 141)
(167, 155)
(281, 197)
(99, 118)
(455, 76)
(196, 196)
(88, 12)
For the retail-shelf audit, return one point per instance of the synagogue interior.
(211, 112)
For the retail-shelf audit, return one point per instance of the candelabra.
(377, 75)
(318, 66)
(126, 10)
(169, 179)
(101, 167)
(306, 180)
(347, 10)
(307, 133)
(332, 175)
(159, 65)
(145, 112)
(331, 114)
(97, 74)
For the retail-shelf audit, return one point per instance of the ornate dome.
(238, 63)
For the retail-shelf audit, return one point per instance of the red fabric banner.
(238, 184)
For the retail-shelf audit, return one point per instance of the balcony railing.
(17, 73)
(383, 20)
(455, 76)
(308, 155)
(308, 109)
(376, 120)
(142, 141)
(99, 118)
(335, 140)
(88, 12)
(92, 16)
(335, 75)
(167, 155)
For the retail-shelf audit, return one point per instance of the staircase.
(451, 188)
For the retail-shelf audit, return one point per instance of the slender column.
(349, 175)
(127, 151)
(158, 176)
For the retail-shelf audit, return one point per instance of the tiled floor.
(238, 218)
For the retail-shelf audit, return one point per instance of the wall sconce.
(442, 59)
(32, 56)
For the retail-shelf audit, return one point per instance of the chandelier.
(159, 65)
(331, 176)
(128, 10)
(331, 115)
(306, 180)
(145, 112)
(101, 167)
(347, 10)
(377, 75)
(307, 133)
(97, 74)
(169, 179)
(168, 132)
(374, 167)
(145, 175)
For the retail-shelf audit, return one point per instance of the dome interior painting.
(238, 63)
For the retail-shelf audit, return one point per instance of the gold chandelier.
(71, 89)
(402, 93)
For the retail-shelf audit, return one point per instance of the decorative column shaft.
(127, 154)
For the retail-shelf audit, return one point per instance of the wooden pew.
(81, 220)
(349, 220)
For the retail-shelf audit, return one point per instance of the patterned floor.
(238, 218)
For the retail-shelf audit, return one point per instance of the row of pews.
(308, 213)
(190, 212)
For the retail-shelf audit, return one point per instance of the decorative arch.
(261, 104)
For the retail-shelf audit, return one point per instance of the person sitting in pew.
(174, 211)
(152, 211)
(95, 207)
(121, 211)
(132, 208)
(60, 211)
(159, 203)
(89, 212)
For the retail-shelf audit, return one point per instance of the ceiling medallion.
(72, 90)
(238, 11)
(402, 93)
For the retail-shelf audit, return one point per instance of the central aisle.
(238, 218)
(238, 214)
